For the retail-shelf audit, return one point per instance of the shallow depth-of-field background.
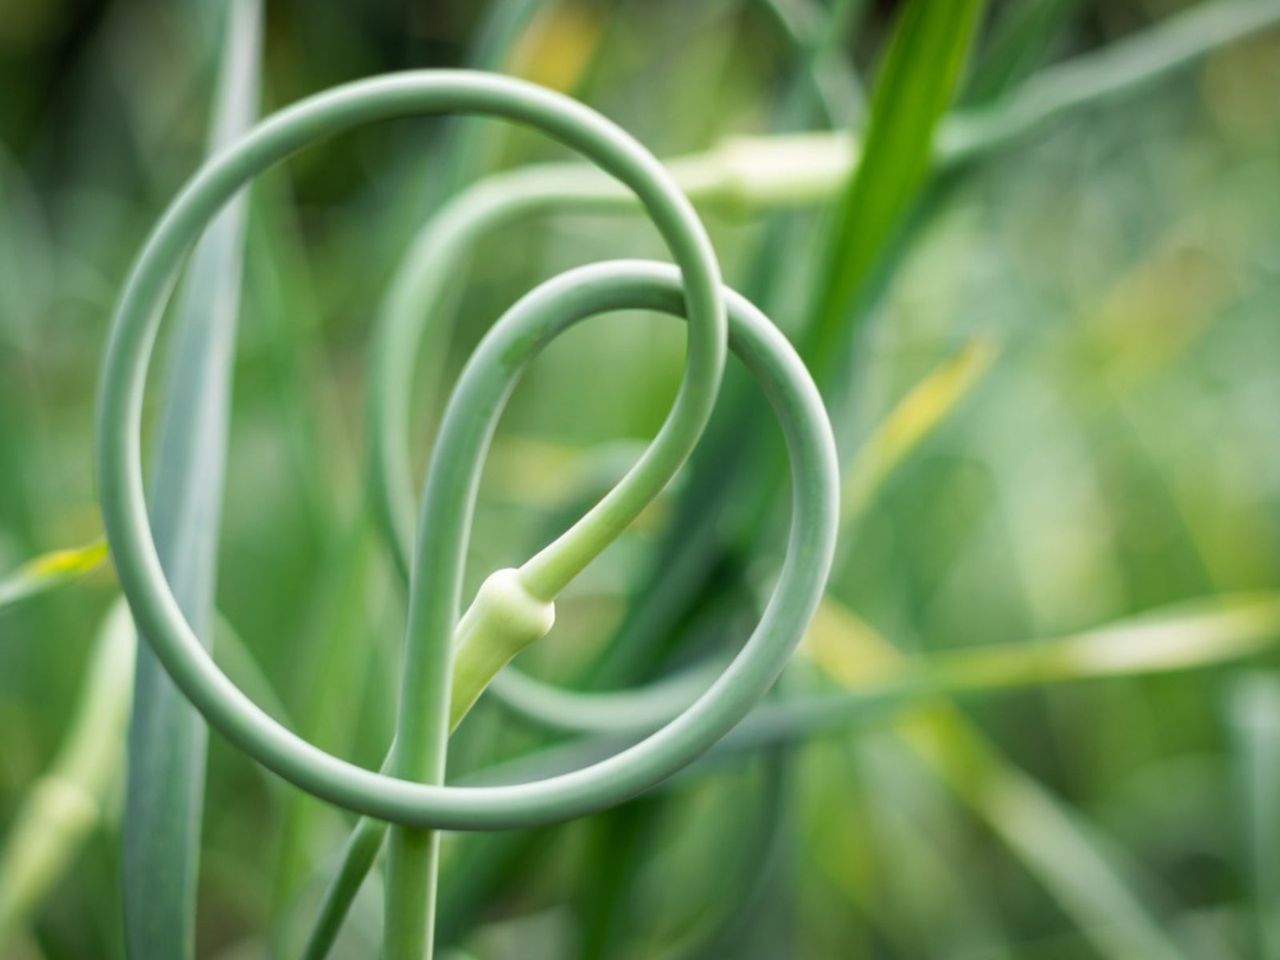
(1056, 391)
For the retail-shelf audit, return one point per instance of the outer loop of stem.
(692, 290)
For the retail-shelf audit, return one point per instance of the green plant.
(167, 739)
(514, 607)
(870, 752)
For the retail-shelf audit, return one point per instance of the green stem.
(750, 174)
(611, 286)
(413, 799)
(1187, 636)
(65, 804)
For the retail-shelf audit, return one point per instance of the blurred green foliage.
(1112, 450)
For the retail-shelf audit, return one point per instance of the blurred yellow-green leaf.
(50, 570)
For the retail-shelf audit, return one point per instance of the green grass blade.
(51, 570)
(1183, 636)
(1115, 71)
(1077, 867)
(65, 804)
(353, 866)
(1255, 721)
(468, 141)
(1018, 43)
(1056, 846)
(878, 684)
(830, 85)
(916, 85)
(167, 739)
(912, 421)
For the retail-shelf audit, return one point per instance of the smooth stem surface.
(518, 603)
(480, 398)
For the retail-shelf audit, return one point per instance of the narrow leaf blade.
(916, 85)
(167, 740)
(51, 570)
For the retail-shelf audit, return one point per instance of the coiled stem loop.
(516, 604)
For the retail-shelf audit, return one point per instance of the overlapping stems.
(733, 177)
(514, 606)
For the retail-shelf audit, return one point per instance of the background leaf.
(51, 569)
(916, 84)
(71, 798)
(167, 737)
